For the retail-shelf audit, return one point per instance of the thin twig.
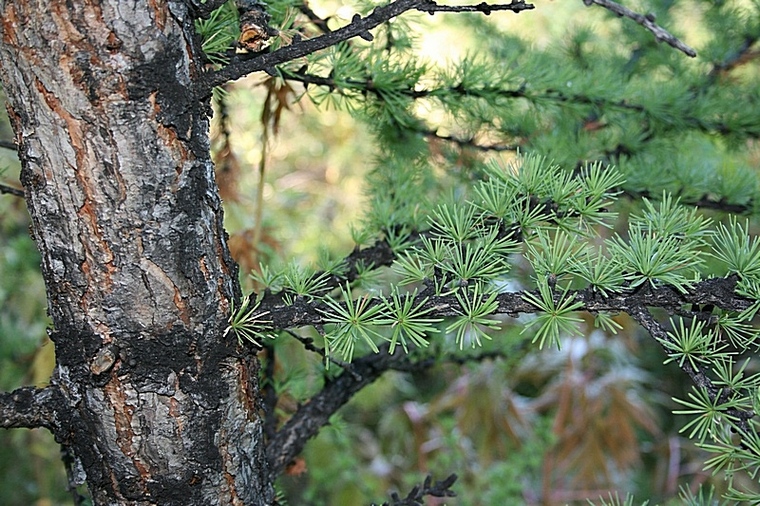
(315, 20)
(313, 415)
(704, 202)
(647, 21)
(465, 143)
(741, 55)
(644, 318)
(308, 344)
(359, 27)
(8, 145)
(10, 190)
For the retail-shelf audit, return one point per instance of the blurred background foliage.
(518, 425)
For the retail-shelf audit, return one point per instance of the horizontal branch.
(465, 143)
(366, 86)
(10, 190)
(647, 21)
(31, 407)
(8, 145)
(306, 422)
(359, 27)
(735, 58)
(718, 292)
(704, 202)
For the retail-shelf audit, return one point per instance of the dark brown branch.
(10, 190)
(740, 55)
(414, 366)
(644, 318)
(310, 417)
(718, 292)
(465, 143)
(30, 407)
(698, 377)
(417, 495)
(516, 6)
(711, 126)
(8, 145)
(359, 27)
(366, 86)
(290, 440)
(704, 202)
(302, 48)
(308, 344)
(269, 396)
(315, 20)
(647, 21)
(203, 10)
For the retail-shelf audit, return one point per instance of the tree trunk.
(157, 406)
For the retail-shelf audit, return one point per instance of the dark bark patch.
(174, 97)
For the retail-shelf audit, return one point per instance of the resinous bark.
(156, 406)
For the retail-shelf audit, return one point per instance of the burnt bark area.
(160, 374)
(153, 405)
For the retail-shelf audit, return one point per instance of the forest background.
(514, 422)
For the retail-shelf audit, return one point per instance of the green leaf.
(553, 256)
(408, 321)
(219, 32)
(653, 258)
(707, 414)
(734, 247)
(354, 320)
(556, 317)
(475, 310)
(692, 345)
(245, 323)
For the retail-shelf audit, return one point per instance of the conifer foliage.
(594, 130)
(604, 183)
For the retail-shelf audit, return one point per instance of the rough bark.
(156, 406)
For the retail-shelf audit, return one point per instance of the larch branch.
(290, 440)
(8, 145)
(313, 415)
(647, 21)
(30, 407)
(359, 27)
(717, 292)
(698, 376)
(10, 190)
